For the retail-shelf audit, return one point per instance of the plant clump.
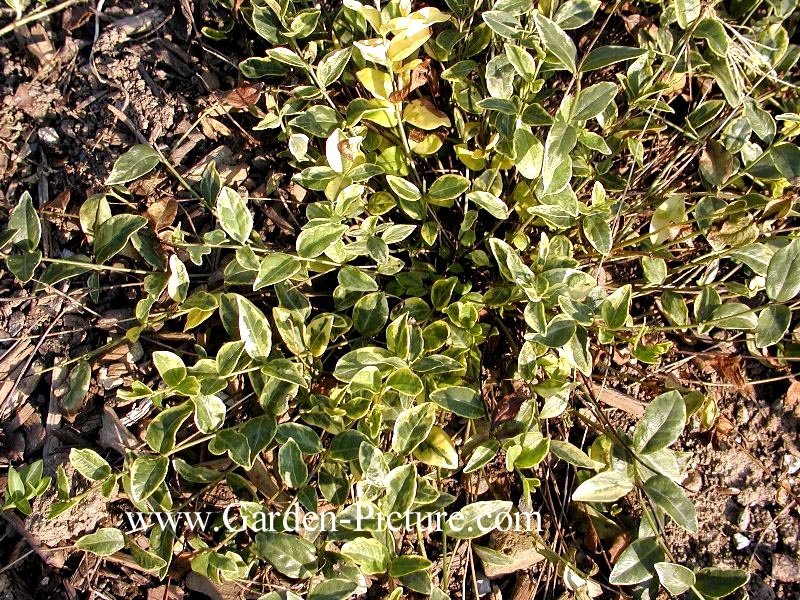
(498, 202)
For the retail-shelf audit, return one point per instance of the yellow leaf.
(430, 144)
(402, 46)
(438, 450)
(415, 22)
(373, 50)
(423, 114)
(664, 225)
(473, 159)
(383, 113)
(502, 162)
(377, 82)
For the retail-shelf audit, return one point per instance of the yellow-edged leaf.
(423, 114)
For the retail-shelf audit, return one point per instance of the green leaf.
(89, 464)
(573, 455)
(147, 474)
(319, 121)
(292, 468)
(662, 423)
(332, 65)
(315, 240)
(616, 307)
(401, 489)
(718, 583)
(462, 401)
(476, 519)
(523, 63)
(275, 268)
(437, 450)
(354, 279)
(559, 331)
(233, 215)
(442, 292)
(490, 203)
(136, 162)
(346, 445)
(412, 426)
(772, 325)
(370, 313)
(209, 412)
(482, 455)
(112, 235)
(24, 221)
(556, 41)
(637, 562)
(289, 554)
(194, 474)
(306, 438)
(404, 565)
(78, 387)
(170, 366)
(447, 187)
(598, 233)
(733, 315)
(178, 282)
(593, 100)
(145, 559)
(403, 188)
(24, 265)
(687, 12)
(760, 120)
(674, 307)
(577, 351)
(58, 272)
(670, 498)
(608, 486)
(675, 578)
(333, 589)
(502, 23)
(103, 542)
(286, 56)
(318, 334)
(783, 273)
(254, 329)
(369, 554)
(352, 362)
(161, 432)
(529, 153)
(605, 56)
(576, 13)
(406, 382)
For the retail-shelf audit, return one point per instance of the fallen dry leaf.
(162, 213)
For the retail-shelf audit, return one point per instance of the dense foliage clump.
(494, 200)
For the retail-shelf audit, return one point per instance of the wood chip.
(616, 399)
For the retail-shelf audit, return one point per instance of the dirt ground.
(75, 91)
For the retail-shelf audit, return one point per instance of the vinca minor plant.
(494, 199)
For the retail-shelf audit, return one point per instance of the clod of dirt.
(519, 546)
(82, 518)
(786, 568)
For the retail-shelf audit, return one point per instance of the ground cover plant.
(497, 205)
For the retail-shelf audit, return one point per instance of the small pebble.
(49, 136)
(792, 463)
(741, 541)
